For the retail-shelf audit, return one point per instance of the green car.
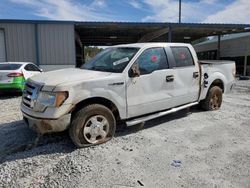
(14, 74)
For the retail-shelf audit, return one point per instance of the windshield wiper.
(101, 68)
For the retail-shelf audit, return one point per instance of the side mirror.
(134, 71)
(41, 70)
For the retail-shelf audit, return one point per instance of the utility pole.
(179, 11)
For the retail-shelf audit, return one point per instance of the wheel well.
(218, 83)
(97, 100)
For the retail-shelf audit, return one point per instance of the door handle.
(195, 74)
(170, 78)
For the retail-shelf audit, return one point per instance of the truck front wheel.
(213, 99)
(92, 125)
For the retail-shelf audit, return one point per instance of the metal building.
(59, 44)
(49, 45)
(234, 47)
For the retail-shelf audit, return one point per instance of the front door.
(153, 90)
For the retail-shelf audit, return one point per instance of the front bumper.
(42, 126)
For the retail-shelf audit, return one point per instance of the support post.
(169, 33)
(37, 46)
(218, 47)
(83, 55)
(179, 11)
(245, 65)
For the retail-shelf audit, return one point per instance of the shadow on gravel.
(9, 95)
(17, 140)
(123, 130)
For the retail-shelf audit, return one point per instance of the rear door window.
(28, 67)
(34, 68)
(31, 67)
(8, 66)
(182, 56)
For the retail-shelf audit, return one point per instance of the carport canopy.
(112, 33)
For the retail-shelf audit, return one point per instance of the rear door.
(186, 75)
(153, 90)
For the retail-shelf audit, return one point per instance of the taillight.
(15, 74)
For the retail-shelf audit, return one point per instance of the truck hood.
(54, 78)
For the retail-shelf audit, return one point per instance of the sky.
(193, 11)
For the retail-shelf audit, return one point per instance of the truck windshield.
(111, 59)
(9, 66)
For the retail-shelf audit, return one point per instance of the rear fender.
(217, 76)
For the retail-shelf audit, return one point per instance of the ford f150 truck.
(129, 83)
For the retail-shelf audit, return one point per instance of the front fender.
(115, 94)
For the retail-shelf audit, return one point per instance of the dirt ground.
(212, 149)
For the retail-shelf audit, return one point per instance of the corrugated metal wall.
(229, 48)
(20, 41)
(55, 43)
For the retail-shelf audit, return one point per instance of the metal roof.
(122, 23)
(225, 38)
(111, 33)
(152, 44)
(37, 21)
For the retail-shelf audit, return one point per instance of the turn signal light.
(61, 97)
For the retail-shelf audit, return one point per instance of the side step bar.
(159, 114)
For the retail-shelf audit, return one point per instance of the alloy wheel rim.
(96, 129)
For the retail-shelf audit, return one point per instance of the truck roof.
(13, 62)
(152, 44)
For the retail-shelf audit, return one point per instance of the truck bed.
(217, 70)
(215, 61)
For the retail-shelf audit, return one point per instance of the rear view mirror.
(134, 71)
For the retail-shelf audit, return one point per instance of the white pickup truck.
(131, 83)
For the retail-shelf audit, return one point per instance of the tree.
(90, 52)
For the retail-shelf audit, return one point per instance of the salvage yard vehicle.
(14, 74)
(129, 83)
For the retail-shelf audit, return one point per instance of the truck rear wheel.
(92, 125)
(213, 100)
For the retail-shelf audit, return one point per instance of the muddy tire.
(213, 99)
(92, 125)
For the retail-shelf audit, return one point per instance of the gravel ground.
(213, 149)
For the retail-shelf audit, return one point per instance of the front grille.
(30, 94)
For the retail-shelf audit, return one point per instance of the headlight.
(52, 98)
